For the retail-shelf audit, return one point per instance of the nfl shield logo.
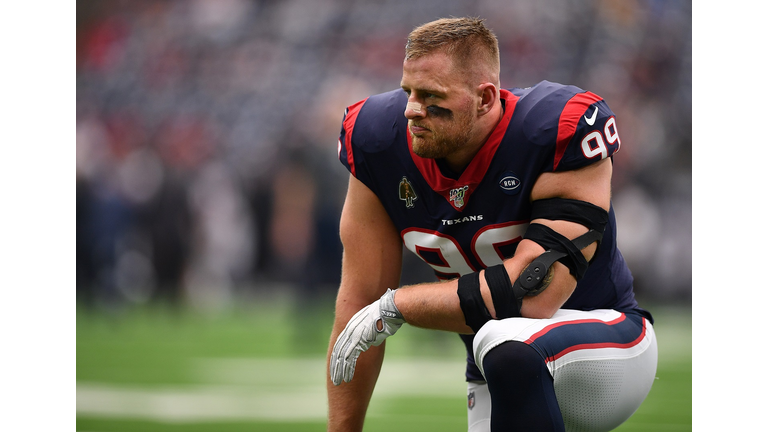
(457, 196)
(471, 400)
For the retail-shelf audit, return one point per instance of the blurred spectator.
(222, 252)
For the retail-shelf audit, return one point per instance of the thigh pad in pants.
(603, 362)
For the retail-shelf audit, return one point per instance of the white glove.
(361, 332)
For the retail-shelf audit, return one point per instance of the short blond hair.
(466, 40)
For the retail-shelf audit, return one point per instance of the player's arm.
(590, 184)
(371, 263)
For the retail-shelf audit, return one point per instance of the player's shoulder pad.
(378, 121)
(541, 106)
(578, 123)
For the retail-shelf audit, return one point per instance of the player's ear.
(489, 96)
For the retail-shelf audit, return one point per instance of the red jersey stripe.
(569, 120)
(349, 126)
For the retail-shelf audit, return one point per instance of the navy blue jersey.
(461, 225)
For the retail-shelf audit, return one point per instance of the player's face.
(440, 106)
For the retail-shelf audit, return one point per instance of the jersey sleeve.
(586, 133)
(346, 153)
(369, 128)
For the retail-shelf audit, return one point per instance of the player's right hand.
(369, 326)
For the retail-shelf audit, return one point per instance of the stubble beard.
(442, 143)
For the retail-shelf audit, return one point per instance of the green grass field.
(255, 369)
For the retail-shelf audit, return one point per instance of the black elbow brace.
(507, 297)
(558, 247)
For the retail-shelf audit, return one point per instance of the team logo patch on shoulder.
(407, 193)
(509, 183)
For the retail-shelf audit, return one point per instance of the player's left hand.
(370, 326)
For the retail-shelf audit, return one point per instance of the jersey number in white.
(444, 254)
(593, 144)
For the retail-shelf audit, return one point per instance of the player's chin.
(426, 148)
(419, 141)
(420, 138)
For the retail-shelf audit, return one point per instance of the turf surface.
(167, 370)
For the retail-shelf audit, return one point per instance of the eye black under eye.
(437, 111)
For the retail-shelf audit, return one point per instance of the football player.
(506, 194)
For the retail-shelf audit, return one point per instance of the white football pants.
(603, 365)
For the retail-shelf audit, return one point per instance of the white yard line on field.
(265, 389)
(198, 403)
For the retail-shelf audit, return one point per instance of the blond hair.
(467, 40)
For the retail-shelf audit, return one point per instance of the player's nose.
(414, 109)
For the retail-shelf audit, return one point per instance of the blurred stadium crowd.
(207, 132)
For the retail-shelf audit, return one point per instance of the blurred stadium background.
(208, 196)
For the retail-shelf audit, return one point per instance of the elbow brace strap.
(505, 301)
(593, 217)
(502, 295)
(471, 301)
(559, 248)
(581, 212)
